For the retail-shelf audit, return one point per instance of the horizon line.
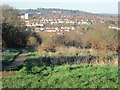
(66, 9)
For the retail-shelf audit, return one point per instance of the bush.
(62, 50)
(31, 41)
(102, 39)
(48, 45)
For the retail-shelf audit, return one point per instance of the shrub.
(48, 45)
(103, 58)
(31, 41)
(62, 50)
(102, 38)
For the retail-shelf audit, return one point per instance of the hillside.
(76, 50)
(52, 12)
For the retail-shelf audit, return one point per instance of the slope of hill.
(52, 12)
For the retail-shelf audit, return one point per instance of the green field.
(68, 76)
(35, 74)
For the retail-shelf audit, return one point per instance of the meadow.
(37, 73)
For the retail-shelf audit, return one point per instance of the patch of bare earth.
(6, 74)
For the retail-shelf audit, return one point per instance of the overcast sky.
(94, 6)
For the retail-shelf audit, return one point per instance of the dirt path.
(19, 60)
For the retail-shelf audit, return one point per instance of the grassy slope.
(75, 76)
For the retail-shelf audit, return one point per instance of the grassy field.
(68, 76)
(35, 74)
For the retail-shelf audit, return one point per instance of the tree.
(10, 15)
(14, 33)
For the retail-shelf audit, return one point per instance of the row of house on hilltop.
(44, 21)
(54, 29)
(29, 24)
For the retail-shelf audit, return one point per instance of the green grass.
(74, 76)
(33, 75)
(30, 49)
(8, 57)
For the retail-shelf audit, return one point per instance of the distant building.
(22, 16)
(114, 27)
(26, 15)
(56, 12)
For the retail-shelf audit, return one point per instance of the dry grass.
(104, 58)
(62, 50)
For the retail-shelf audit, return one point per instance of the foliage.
(10, 33)
(14, 32)
(48, 45)
(31, 41)
(67, 50)
(68, 39)
(72, 39)
(13, 29)
(75, 76)
(10, 15)
(70, 56)
(102, 39)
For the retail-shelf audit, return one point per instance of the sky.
(93, 6)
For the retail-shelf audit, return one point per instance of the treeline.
(14, 32)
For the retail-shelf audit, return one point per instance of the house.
(84, 22)
(114, 27)
(67, 30)
(56, 28)
(22, 17)
(38, 24)
(50, 30)
(79, 22)
(28, 24)
(60, 33)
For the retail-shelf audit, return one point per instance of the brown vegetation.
(99, 39)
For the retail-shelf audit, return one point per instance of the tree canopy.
(14, 33)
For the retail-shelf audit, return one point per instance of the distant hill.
(52, 12)
(109, 14)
